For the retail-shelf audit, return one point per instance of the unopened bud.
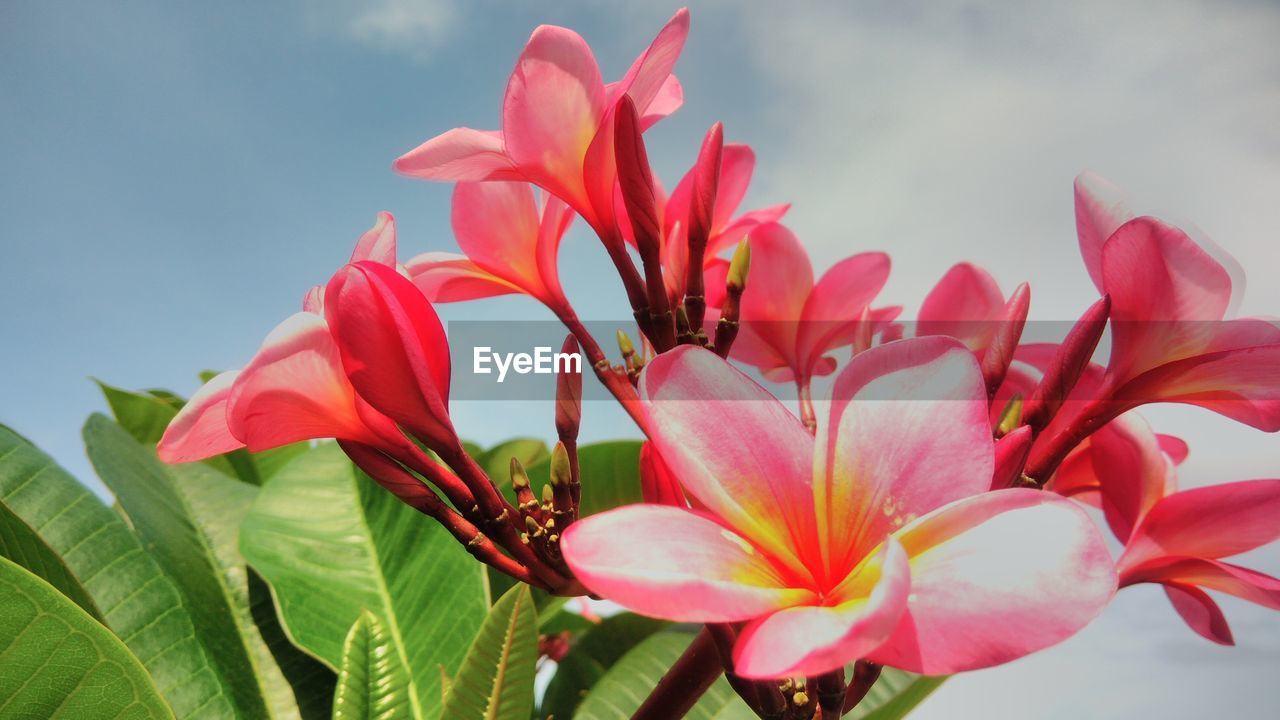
(739, 266)
(624, 345)
(561, 470)
(519, 478)
(535, 530)
(800, 698)
(548, 494)
(569, 394)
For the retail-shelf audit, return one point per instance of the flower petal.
(1100, 210)
(811, 640)
(734, 448)
(648, 76)
(553, 107)
(378, 243)
(674, 564)
(837, 301)
(294, 389)
(1200, 612)
(461, 154)
(780, 281)
(200, 429)
(450, 277)
(393, 348)
(908, 432)
(1210, 522)
(497, 227)
(1167, 296)
(1130, 470)
(657, 484)
(1242, 582)
(966, 304)
(996, 577)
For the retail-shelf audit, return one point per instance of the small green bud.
(561, 471)
(740, 265)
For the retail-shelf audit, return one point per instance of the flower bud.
(739, 266)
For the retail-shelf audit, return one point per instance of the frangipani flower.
(557, 122)
(788, 322)
(1170, 297)
(302, 383)
(877, 540)
(510, 241)
(1176, 538)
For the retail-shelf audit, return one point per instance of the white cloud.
(412, 27)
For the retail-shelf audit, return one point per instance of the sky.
(174, 175)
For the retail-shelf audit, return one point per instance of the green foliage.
(591, 655)
(55, 527)
(496, 678)
(626, 684)
(372, 683)
(895, 694)
(60, 663)
(188, 517)
(333, 544)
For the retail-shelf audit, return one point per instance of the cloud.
(414, 28)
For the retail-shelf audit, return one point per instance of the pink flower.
(1176, 539)
(557, 122)
(510, 241)
(302, 383)
(877, 540)
(1171, 341)
(789, 322)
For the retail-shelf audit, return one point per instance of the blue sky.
(173, 176)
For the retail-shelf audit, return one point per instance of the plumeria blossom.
(1172, 340)
(966, 304)
(299, 385)
(1176, 538)
(789, 322)
(725, 231)
(557, 122)
(510, 240)
(878, 539)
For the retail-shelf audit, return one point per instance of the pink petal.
(1100, 210)
(837, 303)
(449, 277)
(780, 281)
(737, 164)
(730, 235)
(908, 433)
(200, 429)
(497, 226)
(1132, 473)
(671, 563)
(657, 483)
(1167, 296)
(393, 348)
(1242, 384)
(378, 243)
(1200, 612)
(811, 640)
(554, 105)
(669, 99)
(966, 304)
(735, 449)
(996, 577)
(461, 154)
(649, 75)
(1175, 447)
(1242, 582)
(294, 389)
(1210, 522)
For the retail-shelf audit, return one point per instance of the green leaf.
(373, 683)
(60, 663)
(496, 678)
(590, 657)
(57, 528)
(197, 549)
(624, 686)
(895, 694)
(610, 474)
(332, 544)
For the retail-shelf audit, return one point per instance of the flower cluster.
(929, 514)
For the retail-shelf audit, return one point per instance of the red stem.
(679, 689)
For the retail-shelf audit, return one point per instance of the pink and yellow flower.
(876, 540)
